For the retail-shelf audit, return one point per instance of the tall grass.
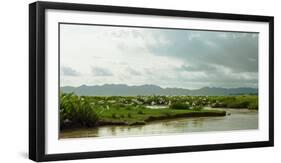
(76, 111)
(250, 102)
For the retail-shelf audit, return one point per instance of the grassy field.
(135, 116)
(91, 111)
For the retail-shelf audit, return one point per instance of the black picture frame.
(37, 80)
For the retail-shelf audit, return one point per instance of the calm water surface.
(239, 119)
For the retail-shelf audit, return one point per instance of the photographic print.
(102, 78)
(120, 81)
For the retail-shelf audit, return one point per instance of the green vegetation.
(179, 105)
(249, 101)
(90, 111)
(141, 115)
(76, 111)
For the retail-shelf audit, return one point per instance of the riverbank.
(239, 119)
(141, 116)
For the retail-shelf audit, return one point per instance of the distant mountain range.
(125, 90)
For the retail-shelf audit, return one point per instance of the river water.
(237, 119)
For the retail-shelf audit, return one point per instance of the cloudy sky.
(97, 55)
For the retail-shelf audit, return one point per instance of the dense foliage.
(179, 105)
(76, 111)
(89, 111)
(250, 102)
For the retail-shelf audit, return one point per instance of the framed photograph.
(108, 81)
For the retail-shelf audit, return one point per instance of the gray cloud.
(237, 51)
(221, 78)
(67, 71)
(98, 71)
(198, 68)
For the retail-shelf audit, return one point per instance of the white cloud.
(137, 56)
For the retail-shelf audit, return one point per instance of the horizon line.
(158, 86)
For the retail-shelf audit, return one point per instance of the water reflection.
(239, 119)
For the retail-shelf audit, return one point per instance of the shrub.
(238, 104)
(113, 115)
(140, 112)
(76, 110)
(179, 106)
(198, 107)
